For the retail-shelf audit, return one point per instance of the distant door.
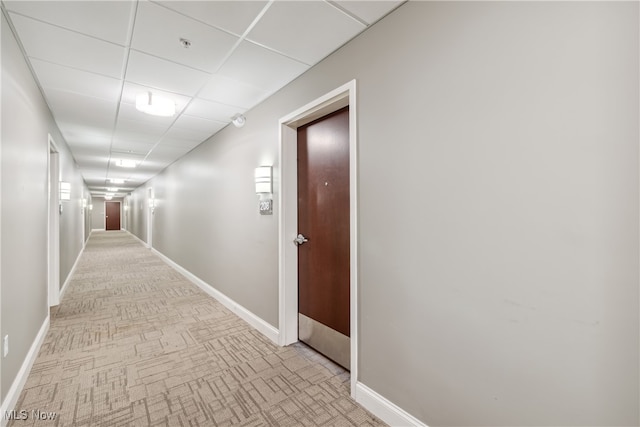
(112, 215)
(323, 242)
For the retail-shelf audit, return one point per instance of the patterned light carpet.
(134, 343)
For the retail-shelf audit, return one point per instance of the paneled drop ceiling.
(91, 59)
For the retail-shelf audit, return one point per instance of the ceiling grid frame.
(156, 143)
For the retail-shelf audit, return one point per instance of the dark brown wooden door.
(323, 218)
(112, 215)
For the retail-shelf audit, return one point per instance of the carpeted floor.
(134, 343)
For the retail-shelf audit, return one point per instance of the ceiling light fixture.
(126, 163)
(238, 120)
(116, 181)
(155, 105)
(112, 189)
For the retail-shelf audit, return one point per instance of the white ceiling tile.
(88, 141)
(198, 124)
(153, 131)
(77, 49)
(233, 16)
(158, 31)
(146, 169)
(80, 135)
(369, 11)
(129, 113)
(136, 140)
(107, 20)
(94, 153)
(274, 70)
(133, 175)
(305, 30)
(164, 156)
(137, 132)
(169, 152)
(157, 164)
(184, 137)
(158, 73)
(121, 145)
(91, 112)
(212, 110)
(92, 161)
(93, 175)
(53, 76)
(232, 92)
(176, 141)
(131, 90)
(64, 47)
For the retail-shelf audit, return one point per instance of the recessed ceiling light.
(108, 197)
(114, 190)
(116, 181)
(126, 163)
(155, 105)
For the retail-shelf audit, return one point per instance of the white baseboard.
(13, 394)
(68, 279)
(97, 229)
(263, 327)
(384, 409)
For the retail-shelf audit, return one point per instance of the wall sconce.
(65, 191)
(263, 178)
(84, 203)
(91, 207)
(264, 186)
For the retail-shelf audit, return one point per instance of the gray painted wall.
(498, 171)
(137, 213)
(97, 214)
(26, 123)
(87, 214)
(72, 217)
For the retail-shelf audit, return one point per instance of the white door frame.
(288, 220)
(150, 209)
(53, 223)
(84, 206)
(125, 211)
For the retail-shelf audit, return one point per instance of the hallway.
(135, 343)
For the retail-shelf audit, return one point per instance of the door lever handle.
(300, 239)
